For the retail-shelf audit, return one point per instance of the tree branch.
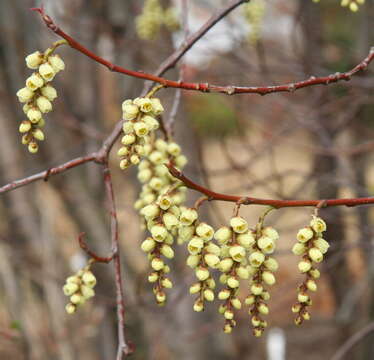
(205, 87)
(269, 202)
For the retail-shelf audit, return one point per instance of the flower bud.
(143, 175)
(271, 264)
(224, 294)
(213, 249)
(34, 60)
(314, 273)
(76, 299)
(160, 297)
(141, 129)
(263, 309)
(38, 134)
(322, 245)
(145, 104)
(159, 232)
(195, 288)
(46, 71)
(268, 278)
(299, 249)
(34, 82)
(70, 288)
(128, 139)
(256, 289)
(228, 314)
(188, 216)
(246, 240)
(166, 283)
(311, 285)
(315, 255)
(89, 279)
(148, 245)
(150, 211)
(25, 95)
(296, 308)
(70, 308)
(134, 159)
(124, 164)
(87, 292)
(195, 245)
(270, 233)
(170, 220)
(223, 234)
(317, 224)
(304, 266)
(205, 231)
(236, 303)
(25, 126)
(43, 104)
(49, 92)
(186, 232)
(232, 282)
(256, 321)
(209, 295)
(242, 272)
(157, 264)
(202, 273)
(193, 261)
(57, 63)
(151, 122)
(198, 306)
(250, 300)
(238, 224)
(33, 147)
(305, 234)
(157, 107)
(237, 252)
(256, 258)
(167, 251)
(266, 244)
(226, 264)
(302, 297)
(174, 149)
(153, 277)
(227, 329)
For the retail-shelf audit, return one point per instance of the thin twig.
(124, 347)
(83, 245)
(352, 341)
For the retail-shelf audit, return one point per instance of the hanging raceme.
(153, 16)
(79, 288)
(312, 247)
(353, 5)
(262, 267)
(38, 94)
(254, 13)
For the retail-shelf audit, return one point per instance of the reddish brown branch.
(124, 347)
(90, 253)
(270, 202)
(205, 87)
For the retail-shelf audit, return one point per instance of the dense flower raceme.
(159, 204)
(79, 288)
(140, 122)
(312, 247)
(153, 16)
(38, 95)
(203, 255)
(254, 13)
(262, 267)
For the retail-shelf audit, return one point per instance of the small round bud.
(209, 295)
(166, 283)
(89, 279)
(227, 329)
(302, 297)
(211, 260)
(49, 92)
(304, 235)
(238, 224)
(198, 306)
(195, 245)
(70, 288)
(296, 308)
(33, 147)
(193, 261)
(318, 225)
(237, 253)
(159, 232)
(232, 282)
(205, 231)
(145, 104)
(242, 272)
(87, 292)
(157, 107)
(271, 264)
(148, 245)
(266, 244)
(43, 104)
(315, 273)
(34, 82)
(223, 234)
(124, 164)
(167, 251)
(228, 314)
(315, 255)
(25, 95)
(202, 273)
(141, 129)
(151, 122)
(322, 245)
(38, 134)
(304, 266)
(250, 300)
(34, 60)
(174, 149)
(188, 216)
(160, 297)
(128, 139)
(226, 264)
(299, 249)
(46, 71)
(270, 232)
(236, 303)
(76, 299)
(311, 285)
(157, 264)
(256, 259)
(130, 111)
(195, 288)
(246, 240)
(153, 277)
(25, 126)
(57, 63)
(150, 211)
(256, 289)
(263, 309)
(70, 308)
(268, 278)
(224, 294)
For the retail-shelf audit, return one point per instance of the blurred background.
(314, 143)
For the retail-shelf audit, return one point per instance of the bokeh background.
(314, 143)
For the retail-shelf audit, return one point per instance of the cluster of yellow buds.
(262, 267)
(140, 120)
(153, 16)
(311, 246)
(203, 254)
(235, 242)
(38, 95)
(353, 5)
(79, 288)
(254, 13)
(155, 176)
(162, 223)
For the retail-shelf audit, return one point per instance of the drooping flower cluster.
(254, 13)
(38, 95)
(162, 222)
(312, 247)
(79, 288)
(140, 121)
(203, 254)
(353, 5)
(262, 267)
(235, 241)
(153, 16)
